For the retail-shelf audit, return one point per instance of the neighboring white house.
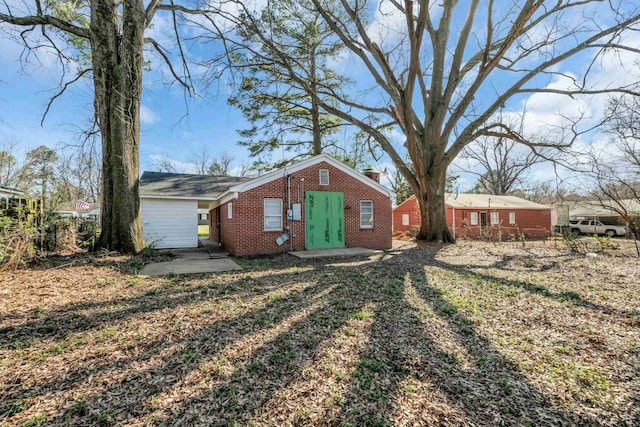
(8, 193)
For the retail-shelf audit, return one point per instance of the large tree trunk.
(430, 196)
(315, 107)
(117, 69)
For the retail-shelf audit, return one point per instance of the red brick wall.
(410, 207)
(244, 234)
(229, 226)
(534, 223)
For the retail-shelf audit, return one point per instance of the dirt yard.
(466, 334)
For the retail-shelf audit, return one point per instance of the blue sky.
(210, 124)
(165, 130)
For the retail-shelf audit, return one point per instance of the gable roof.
(303, 164)
(490, 201)
(484, 201)
(185, 186)
(221, 188)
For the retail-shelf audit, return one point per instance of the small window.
(512, 217)
(366, 214)
(473, 218)
(272, 214)
(230, 210)
(324, 177)
(495, 218)
(405, 219)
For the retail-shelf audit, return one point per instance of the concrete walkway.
(333, 252)
(208, 257)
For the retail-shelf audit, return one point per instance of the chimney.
(372, 174)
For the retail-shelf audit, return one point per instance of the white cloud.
(147, 116)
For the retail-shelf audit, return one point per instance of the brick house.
(318, 202)
(482, 215)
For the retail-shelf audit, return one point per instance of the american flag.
(82, 206)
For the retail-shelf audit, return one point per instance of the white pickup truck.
(587, 226)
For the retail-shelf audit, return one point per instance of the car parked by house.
(589, 226)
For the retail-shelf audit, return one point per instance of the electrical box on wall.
(296, 214)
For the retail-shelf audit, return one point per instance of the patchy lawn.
(203, 230)
(466, 334)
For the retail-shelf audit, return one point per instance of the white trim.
(264, 214)
(11, 191)
(473, 215)
(230, 210)
(271, 176)
(226, 197)
(497, 217)
(372, 214)
(512, 215)
(156, 196)
(405, 215)
(320, 176)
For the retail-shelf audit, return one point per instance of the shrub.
(16, 242)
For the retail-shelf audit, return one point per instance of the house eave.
(280, 173)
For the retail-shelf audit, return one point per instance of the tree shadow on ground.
(468, 271)
(173, 292)
(403, 351)
(225, 331)
(474, 383)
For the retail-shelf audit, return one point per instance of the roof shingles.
(206, 187)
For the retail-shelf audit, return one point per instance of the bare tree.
(500, 163)
(617, 172)
(165, 164)
(78, 173)
(9, 166)
(220, 165)
(107, 40)
(446, 68)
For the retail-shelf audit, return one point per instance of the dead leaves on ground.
(466, 334)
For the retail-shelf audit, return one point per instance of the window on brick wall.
(366, 214)
(405, 219)
(324, 177)
(495, 218)
(473, 218)
(272, 214)
(512, 217)
(230, 210)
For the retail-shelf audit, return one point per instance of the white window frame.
(320, 176)
(496, 216)
(512, 217)
(266, 217)
(473, 218)
(405, 219)
(230, 210)
(367, 225)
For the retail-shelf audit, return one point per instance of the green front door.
(324, 219)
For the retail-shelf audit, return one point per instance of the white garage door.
(170, 223)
